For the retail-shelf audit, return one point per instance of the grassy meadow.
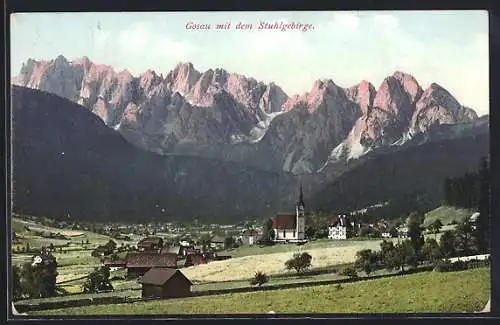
(324, 253)
(452, 292)
(446, 215)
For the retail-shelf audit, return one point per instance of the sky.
(447, 47)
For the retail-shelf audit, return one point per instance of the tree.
(229, 242)
(415, 232)
(268, 233)
(366, 260)
(349, 271)
(299, 262)
(447, 244)
(463, 240)
(482, 232)
(17, 291)
(436, 226)
(431, 251)
(205, 240)
(386, 249)
(259, 279)
(399, 255)
(310, 232)
(97, 281)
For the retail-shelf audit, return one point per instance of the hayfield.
(272, 263)
(429, 292)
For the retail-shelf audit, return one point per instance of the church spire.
(301, 196)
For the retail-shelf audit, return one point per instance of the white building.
(473, 220)
(290, 227)
(338, 228)
(403, 232)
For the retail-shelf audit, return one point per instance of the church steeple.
(301, 196)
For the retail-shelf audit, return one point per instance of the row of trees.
(463, 241)
(473, 191)
(462, 191)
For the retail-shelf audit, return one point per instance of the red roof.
(285, 221)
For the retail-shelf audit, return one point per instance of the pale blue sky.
(447, 47)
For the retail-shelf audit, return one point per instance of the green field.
(247, 250)
(453, 292)
(446, 215)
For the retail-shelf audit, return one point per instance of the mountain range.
(216, 125)
(220, 114)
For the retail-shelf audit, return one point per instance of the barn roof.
(285, 220)
(150, 240)
(217, 239)
(151, 260)
(160, 276)
(171, 249)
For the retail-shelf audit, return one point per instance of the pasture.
(446, 215)
(429, 292)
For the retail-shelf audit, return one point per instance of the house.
(386, 234)
(165, 283)
(474, 219)
(402, 232)
(150, 244)
(172, 249)
(250, 237)
(217, 242)
(115, 263)
(139, 263)
(192, 259)
(341, 228)
(290, 227)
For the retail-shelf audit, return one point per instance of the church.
(290, 227)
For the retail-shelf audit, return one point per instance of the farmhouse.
(217, 242)
(116, 263)
(165, 283)
(139, 263)
(290, 227)
(474, 219)
(250, 237)
(402, 232)
(341, 227)
(191, 260)
(150, 244)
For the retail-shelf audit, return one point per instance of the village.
(162, 259)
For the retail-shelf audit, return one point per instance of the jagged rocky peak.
(273, 99)
(148, 80)
(393, 98)
(183, 77)
(410, 85)
(362, 94)
(438, 106)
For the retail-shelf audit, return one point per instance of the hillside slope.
(409, 179)
(66, 160)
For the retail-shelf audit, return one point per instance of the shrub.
(349, 271)
(259, 279)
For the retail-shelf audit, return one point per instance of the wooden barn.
(165, 283)
(150, 244)
(139, 263)
(194, 259)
